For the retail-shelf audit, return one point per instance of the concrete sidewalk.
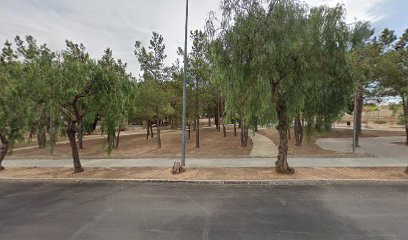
(213, 162)
(262, 146)
(382, 147)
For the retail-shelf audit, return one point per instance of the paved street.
(165, 211)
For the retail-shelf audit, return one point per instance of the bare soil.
(208, 173)
(401, 143)
(212, 143)
(309, 147)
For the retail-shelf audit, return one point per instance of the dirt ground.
(212, 143)
(310, 149)
(208, 173)
(401, 143)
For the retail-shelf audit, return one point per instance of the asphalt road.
(166, 211)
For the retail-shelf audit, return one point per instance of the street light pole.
(183, 144)
(355, 122)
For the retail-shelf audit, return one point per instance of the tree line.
(285, 63)
(272, 62)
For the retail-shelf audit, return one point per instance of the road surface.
(165, 211)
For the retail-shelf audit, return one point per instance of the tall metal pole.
(183, 144)
(355, 122)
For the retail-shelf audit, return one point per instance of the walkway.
(382, 147)
(262, 146)
(213, 162)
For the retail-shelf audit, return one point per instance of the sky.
(100, 24)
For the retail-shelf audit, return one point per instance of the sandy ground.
(212, 143)
(209, 173)
(401, 143)
(309, 147)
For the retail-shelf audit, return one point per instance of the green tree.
(363, 55)
(263, 57)
(199, 74)
(392, 68)
(85, 88)
(327, 72)
(116, 95)
(15, 109)
(154, 96)
(38, 63)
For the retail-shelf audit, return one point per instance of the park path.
(382, 147)
(262, 146)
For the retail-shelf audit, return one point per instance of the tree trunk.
(158, 133)
(81, 136)
(94, 124)
(209, 120)
(243, 135)
(360, 102)
(235, 127)
(41, 137)
(246, 135)
(282, 162)
(224, 131)
(189, 131)
(151, 129)
(71, 132)
(32, 132)
(218, 115)
(256, 125)
(117, 139)
(3, 150)
(289, 132)
(298, 130)
(197, 119)
(147, 130)
(197, 123)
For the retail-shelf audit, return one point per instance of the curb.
(280, 182)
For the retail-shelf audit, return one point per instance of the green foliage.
(16, 111)
(115, 96)
(279, 53)
(155, 93)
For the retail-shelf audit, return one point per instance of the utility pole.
(183, 144)
(355, 122)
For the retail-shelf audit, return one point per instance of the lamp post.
(183, 144)
(355, 123)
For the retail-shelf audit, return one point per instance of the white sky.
(99, 24)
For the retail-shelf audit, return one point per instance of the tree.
(262, 48)
(327, 73)
(84, 88)
(362, 56)
(154, 97)
(392, 68)
(72, 93)
(116, 95)
(15, 108)
(38, 62)
(199, 72)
